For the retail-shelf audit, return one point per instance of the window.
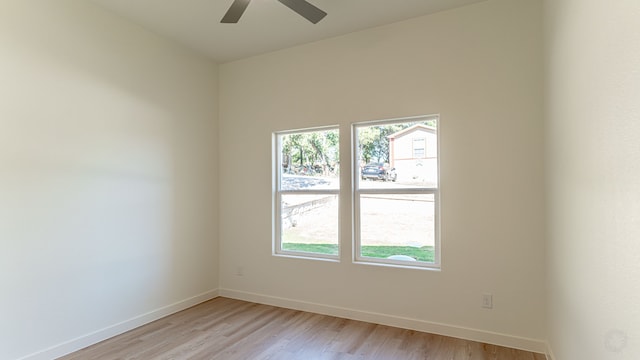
(307, 186)
(418, 148)
(396, 192)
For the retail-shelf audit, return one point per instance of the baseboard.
(119, 328)
(534, 345)
(549, 353)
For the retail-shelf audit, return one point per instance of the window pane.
(398, 226)
(310, 160)
(310, 223)
(397, 155)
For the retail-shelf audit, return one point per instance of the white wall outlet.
(240, 271)
(487, 301)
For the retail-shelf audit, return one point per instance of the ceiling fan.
(302, 7)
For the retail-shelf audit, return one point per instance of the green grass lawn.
(425, 253)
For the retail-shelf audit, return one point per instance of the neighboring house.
(414, 152)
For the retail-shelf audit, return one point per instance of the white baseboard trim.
(488, 337)
(549, 352)
(95, 337)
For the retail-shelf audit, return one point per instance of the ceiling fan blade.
(305, 9)
(235, 11)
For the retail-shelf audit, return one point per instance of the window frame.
(357, 191)
(277, 191)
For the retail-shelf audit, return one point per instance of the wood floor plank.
(228, 329)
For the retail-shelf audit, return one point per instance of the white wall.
(593, 94)
(480, 67)
(108, 176)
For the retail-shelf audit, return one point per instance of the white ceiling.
(266, 25)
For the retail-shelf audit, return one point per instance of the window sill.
(304, 256)
(398, 265)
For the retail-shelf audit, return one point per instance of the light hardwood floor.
(224, 328)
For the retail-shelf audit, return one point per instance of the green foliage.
(322, 147)
(425, 253)
(373, 140)
(329, 249)
(309, 148)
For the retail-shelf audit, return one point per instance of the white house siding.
(414, 166)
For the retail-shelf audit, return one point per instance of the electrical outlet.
(487, 301)
(240, 271)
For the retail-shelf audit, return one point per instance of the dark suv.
(379, 171)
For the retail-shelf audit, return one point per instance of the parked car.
(379, 171)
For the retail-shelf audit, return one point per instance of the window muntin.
(396, 217)
(306, 193)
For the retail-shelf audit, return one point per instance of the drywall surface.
(593, 93)
(108, 181)
(480, 68)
